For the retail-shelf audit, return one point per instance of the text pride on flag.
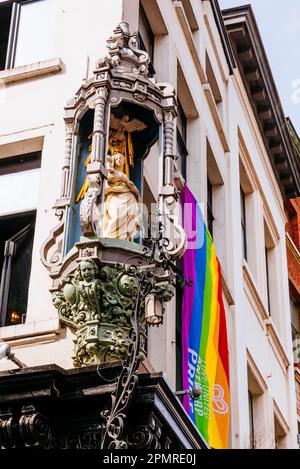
(204, 331)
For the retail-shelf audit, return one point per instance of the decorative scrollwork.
(128, 379)
(145, 436)
(28, 429)
(141, 281)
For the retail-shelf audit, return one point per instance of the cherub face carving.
(88, 271)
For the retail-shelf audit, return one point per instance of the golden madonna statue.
(121, 203)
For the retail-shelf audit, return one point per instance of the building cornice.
(263, 95)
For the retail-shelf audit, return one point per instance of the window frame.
(14, 29)
(15, 164)
(7, 267)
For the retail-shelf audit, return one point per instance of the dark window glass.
(16, 241)
(16, 164)
(243, 223)
(182, 123)
(251, 420)
(146, 39)
(5, 20)
(181, 140)
(268, 279)
(210, 215)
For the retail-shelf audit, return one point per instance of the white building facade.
(236, 161)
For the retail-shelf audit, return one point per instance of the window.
(20, 42)
(243, 224)
(149, 211)
(272, 275)
(295, 323)
(210, 216)
(216, 206)
(294, 319)
(281, 429)
(16, 241)
(257, 407)
(5, 18)
(181, 140)
(146, 38)
(251, 420)
(268, 278)
(19, 184)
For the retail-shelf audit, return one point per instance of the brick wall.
(293, 229)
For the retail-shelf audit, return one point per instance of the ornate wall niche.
(111, 124)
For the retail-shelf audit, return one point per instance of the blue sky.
(279, 24)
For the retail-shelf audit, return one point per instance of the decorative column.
(65, 184)
(171, 229)
(168, 136)
(89, 213)
(99, 134)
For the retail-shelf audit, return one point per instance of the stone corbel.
(27, 428)
(97, 300)
(33, 427)
(8, 426)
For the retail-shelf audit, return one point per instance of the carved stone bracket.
(28, 428)
(147, 436)
(52, 250)
(97, 302)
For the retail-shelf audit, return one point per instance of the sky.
(279, 24)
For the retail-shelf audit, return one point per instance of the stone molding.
(25, 72)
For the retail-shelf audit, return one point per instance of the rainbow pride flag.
(204, 332)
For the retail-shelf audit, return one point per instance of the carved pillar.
(89, 213)
(98, 142)
(168, 136)
(65, 184)
(172, 230)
